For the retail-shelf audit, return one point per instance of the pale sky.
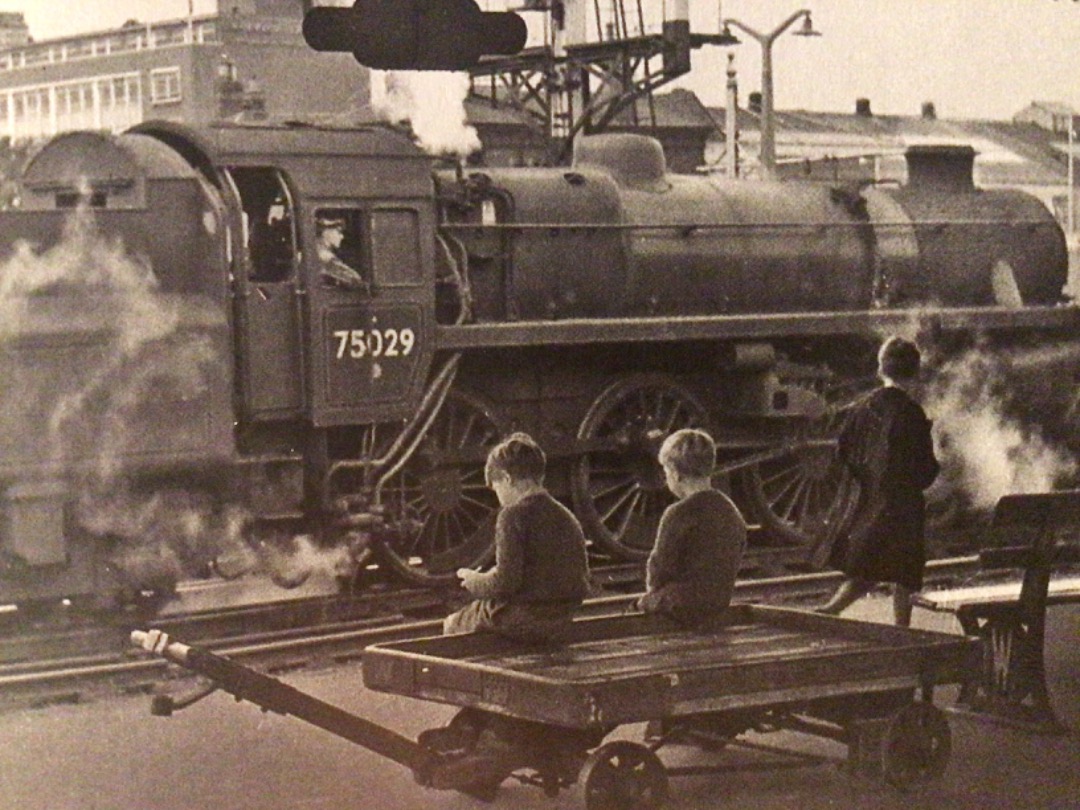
(972, 58)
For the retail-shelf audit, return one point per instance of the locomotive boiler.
(185, 369)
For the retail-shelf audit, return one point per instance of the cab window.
(395, 247)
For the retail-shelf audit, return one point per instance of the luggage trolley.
(550, 708)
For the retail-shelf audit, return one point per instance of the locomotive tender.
(599, 306)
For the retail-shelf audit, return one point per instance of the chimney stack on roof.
(929, 111)
(862, 107)
(13, 30)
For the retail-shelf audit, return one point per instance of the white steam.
(165, 535)
(987, 451)
(87, 261)
(433, 102)
(293, 560)
(103, 307)
(97, 395)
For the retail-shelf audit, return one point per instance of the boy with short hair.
(540, 578)
(541, 571)
(690, 574)
(887, 445)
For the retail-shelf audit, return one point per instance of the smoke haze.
(986, 449)
(92, 365)
(433, 102)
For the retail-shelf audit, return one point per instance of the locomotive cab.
(330, 334)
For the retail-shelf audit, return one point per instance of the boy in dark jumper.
(690, 574)
(887, 445)
(540, 578)
(541, 572)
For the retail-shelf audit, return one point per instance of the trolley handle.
(270, 694)
(158, 642)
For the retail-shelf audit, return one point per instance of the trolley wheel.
(916, 746)
(623, 775)
(441, 514)
(618, 486)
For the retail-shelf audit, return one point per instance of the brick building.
(249, 59)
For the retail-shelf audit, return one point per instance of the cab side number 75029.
(358, 343)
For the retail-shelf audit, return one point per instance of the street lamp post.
(1071, 209)
(768, 134)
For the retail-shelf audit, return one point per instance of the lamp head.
(726, 38)
(807, 29)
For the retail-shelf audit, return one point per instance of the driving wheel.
(618, 485)
(440, 513)
(801, 496)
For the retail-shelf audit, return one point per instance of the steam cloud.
(86, 286)
(433, 102)
(78, 419)
(984, 447)
(74, 410)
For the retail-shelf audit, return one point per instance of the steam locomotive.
(184, 376)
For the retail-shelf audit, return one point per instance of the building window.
(165, 85)
(173, 36)
(80, 50)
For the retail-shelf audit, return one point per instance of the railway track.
(208, 610)
(116, 669)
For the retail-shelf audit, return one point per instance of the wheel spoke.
(619, 491)
(470, 422)
(795, 500)
(439, 504)
(787, 471)
(623, 483)
(781, 496)
(630, 492)
(629, 514)
(472, 502)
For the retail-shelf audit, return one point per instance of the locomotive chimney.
(862, 107)
(941, 168)
(929, 111)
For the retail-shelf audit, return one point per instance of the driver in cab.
(333, 270)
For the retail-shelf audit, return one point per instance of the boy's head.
(899, 359)
(690, 452)
(517, 457)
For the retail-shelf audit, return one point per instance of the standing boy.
(541, 572)
(690, 574)
(886, 444)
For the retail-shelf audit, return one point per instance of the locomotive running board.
(750, 327)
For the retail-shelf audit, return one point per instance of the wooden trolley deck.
(541, 714)
(629, 669)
